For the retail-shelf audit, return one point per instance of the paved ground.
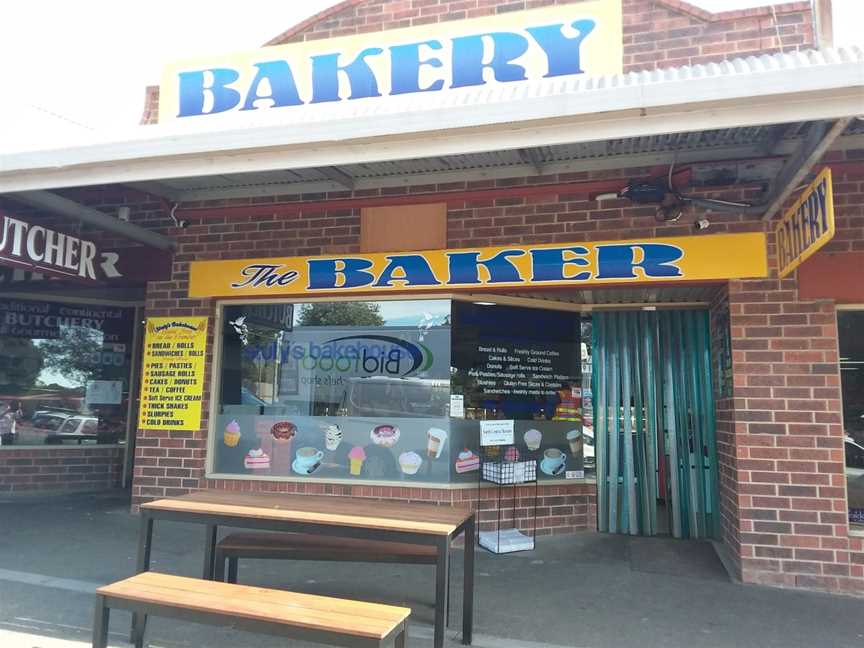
(585, 591)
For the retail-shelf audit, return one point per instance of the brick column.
(781, 440)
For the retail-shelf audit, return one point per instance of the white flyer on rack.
(495, 433)
(457, 406)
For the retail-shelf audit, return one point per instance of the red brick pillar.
(780, 436)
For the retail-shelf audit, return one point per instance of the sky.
(78, 66)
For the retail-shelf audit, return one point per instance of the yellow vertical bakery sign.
(172, 379)
(807, 225)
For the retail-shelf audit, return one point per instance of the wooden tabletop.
(352, 618)
(330, 510)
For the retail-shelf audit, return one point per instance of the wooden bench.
(305, 617)
(305, 546)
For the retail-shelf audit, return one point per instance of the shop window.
(391, 391)
(851, 340)
(335, 390)
(64, 372)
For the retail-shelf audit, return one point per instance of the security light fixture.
(670, 202)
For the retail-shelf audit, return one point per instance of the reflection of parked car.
(588, 447)
(386, 396)
(248, 398)
(854, 453)
(48, 420)
(75, 428)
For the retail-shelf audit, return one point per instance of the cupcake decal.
(232, 434)
(410, 462)
(385, 436)
(533, 439)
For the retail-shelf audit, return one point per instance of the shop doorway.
(656, 451)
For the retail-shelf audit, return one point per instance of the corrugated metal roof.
(743, 141)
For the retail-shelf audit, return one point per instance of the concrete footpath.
(587, 591)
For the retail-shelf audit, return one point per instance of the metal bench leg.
(138, 628)
(402, 638)
(449, 573)
(220, 567)
(441, 586)
(209, 551)
(100, 623)
(232, 569)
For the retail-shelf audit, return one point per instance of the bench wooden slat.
(340, 511)
(293, 515)
(351, 618)
(300, 542)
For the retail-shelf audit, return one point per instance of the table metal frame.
(212, 522)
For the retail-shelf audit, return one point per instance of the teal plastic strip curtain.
(654, 423)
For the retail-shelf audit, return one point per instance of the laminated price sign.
(172, 378)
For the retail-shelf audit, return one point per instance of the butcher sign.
(32, 247)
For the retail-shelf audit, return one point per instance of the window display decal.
(562, 42)
(172, 379)
(467, 461)
(667, 260)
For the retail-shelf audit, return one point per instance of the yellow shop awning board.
(641, 261)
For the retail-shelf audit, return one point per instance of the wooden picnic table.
(385, 521)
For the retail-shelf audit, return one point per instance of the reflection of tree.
(341, 314)
(21, 362)
(73, 353)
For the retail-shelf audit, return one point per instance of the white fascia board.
(548, 113)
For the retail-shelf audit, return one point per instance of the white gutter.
(780, 88)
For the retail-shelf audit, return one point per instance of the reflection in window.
(335, 389)
(851, 342)
(64, 372)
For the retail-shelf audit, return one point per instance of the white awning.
(754, 91)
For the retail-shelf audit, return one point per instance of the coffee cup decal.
(436, 438)
(554, 462)
(307, 460)
(574, 439)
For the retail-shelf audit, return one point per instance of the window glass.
(525, 364)
(395, 390)
(851, 341)
(64, 372)
(346, 390)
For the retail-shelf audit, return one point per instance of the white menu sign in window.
(494, 433)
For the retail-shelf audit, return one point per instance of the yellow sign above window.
(577, 265)
(552, 42)
(807, 225)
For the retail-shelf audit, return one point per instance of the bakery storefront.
(439, 351)
(556, 250)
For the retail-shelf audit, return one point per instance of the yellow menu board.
(172, 378)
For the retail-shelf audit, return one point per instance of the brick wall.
(60, 470)
(657, 33)
(786, 459)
